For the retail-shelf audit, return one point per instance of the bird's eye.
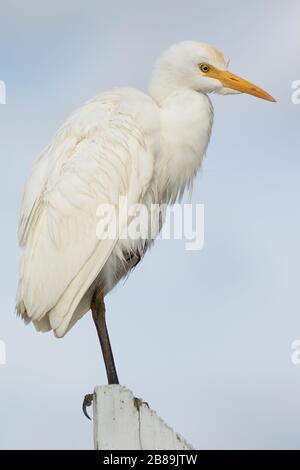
(204, 68)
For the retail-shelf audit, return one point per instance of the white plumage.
(121, 143)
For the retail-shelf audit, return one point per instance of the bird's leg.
(98, 311)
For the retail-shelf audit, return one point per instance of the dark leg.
(98, 312)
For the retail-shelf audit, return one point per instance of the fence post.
(123, 422)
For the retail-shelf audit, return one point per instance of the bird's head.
(199, 67)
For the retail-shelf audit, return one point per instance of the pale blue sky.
(205, 337)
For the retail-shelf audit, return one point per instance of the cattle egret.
(147, 149)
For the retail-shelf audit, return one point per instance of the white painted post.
(123, 422)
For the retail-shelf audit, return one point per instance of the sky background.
(204, 337)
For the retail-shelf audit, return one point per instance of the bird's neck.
(185, 120)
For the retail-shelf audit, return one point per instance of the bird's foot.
(87, 401)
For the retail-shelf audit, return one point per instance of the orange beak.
(229, 80)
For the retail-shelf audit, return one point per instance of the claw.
(87, 401)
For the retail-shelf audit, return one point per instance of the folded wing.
(100, 154)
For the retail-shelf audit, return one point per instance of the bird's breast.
(186, 123)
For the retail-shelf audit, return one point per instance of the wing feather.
(100, 154)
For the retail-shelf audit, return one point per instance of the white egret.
(121, 143)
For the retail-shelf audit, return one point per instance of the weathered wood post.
(123, 422)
